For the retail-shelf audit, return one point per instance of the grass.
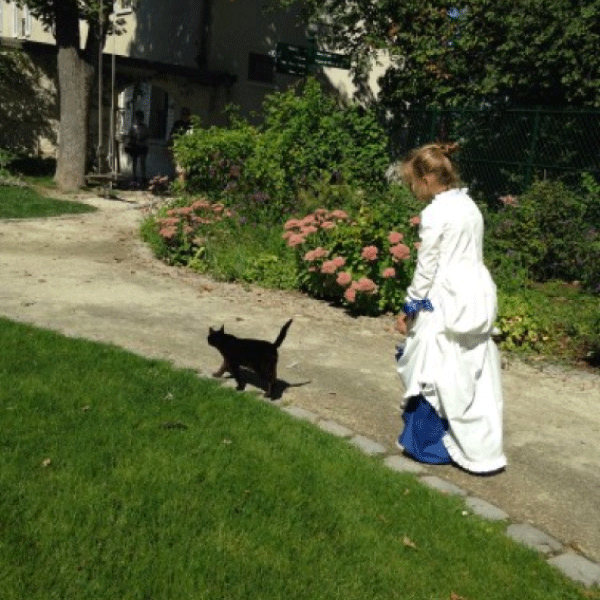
(26, 202)
(125, 478)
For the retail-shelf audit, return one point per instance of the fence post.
(532, 148)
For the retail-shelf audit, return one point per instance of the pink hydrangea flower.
(400, 252)
(338, 214)
(295, 240)
(315, 254)
(308, 230)
(509, 200)
(327, 225)
(291, 224)
(168, 232)
(414, 221)
(339, 261)
(169, 221)
(366, 285)
(350, 295)
(395, 237)
(198, 204)
(329, 267)
(369, 252)
(389, 273)
(344, 278)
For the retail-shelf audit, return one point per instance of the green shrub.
(307, 142)
(519, 325)
(207, 237)
(547, 233)
(213, 158)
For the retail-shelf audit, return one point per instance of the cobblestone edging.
(574, 566)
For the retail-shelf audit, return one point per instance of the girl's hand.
(402, 323)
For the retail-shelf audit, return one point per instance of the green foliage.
(519, 325)
(550, 232)
(528, 53)
(364, 262)
(214, 158)
(6, 157)
(307, 140)
(310, 135)
(209, 238)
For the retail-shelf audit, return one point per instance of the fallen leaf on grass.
(454, 596)
(46, 462)
(408, 542)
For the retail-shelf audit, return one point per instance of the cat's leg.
(271, 378)
(224, 367)
(235, 372)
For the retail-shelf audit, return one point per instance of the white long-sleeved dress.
(449, 355)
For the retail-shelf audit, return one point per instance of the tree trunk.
(76, 74)
(75, 77)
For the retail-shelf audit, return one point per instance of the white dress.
(449, 355)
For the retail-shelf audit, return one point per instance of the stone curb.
(574, 566)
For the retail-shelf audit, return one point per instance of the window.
(261, 68)
(21, 22)
(123, 6)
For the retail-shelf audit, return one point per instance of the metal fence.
(504, 151)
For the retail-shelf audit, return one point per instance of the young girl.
(450, 365)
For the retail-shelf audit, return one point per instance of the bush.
(364, 263)
(550, 232)
(519, 325)
(306, 143)
(213, 158)
(208, 237)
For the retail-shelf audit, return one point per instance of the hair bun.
(450, 148)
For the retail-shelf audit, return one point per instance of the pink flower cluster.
(297, 230)
(187, 219)
(509, 200)
(400, 252)
(370, 253)
(364, 285)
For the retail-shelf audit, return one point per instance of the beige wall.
(169, 32)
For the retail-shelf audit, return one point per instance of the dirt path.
(90, 276)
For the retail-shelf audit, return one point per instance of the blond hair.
(431, 158)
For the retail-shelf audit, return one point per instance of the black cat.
(259, 355)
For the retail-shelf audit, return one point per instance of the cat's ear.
(222, 330)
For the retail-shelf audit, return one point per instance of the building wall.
(226, 36)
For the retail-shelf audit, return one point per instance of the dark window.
(261, 67)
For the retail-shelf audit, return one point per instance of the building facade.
(162, 55)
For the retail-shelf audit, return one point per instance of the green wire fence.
(503, 151)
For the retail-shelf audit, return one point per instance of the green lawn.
(125, 478)
(25, 202)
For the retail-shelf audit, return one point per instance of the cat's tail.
(282, 334)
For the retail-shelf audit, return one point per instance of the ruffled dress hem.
(480, 467)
